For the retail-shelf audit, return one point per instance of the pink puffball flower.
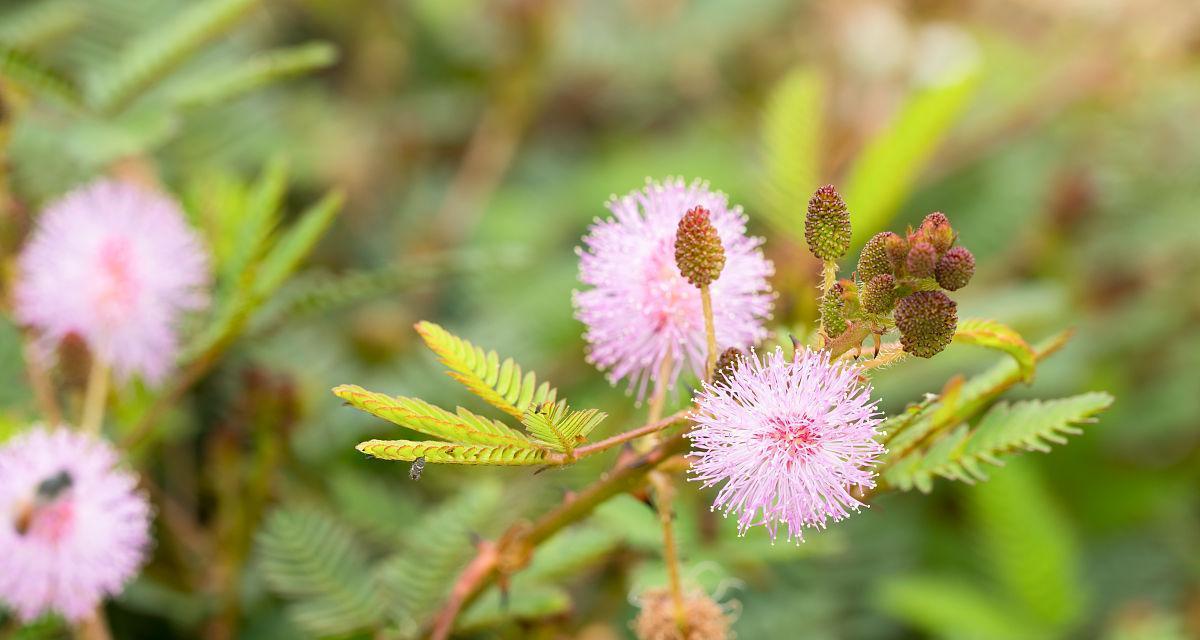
(73, 527)
(640, 310)
(117, 265)
(789, 438)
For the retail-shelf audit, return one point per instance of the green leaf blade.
(454, 453)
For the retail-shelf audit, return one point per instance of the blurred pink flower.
(789, 438)
(116, 265)
(73, 527)
(640, 308)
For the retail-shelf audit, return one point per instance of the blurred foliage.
(433, 159)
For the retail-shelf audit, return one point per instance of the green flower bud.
(727, 363)
(698, 251)
(896, 248)
(874, 258)
(937, 231)
(879, 294)
(926, 320)
(921, 260)
(827, 225)
(955, 269)
(833, 314)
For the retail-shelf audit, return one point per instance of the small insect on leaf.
(418, 465)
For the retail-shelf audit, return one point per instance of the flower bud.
(937, 231)
(727, 363)
(827, 225)
(955, 269)
(705, 619)
(833, 316)
(879, 294)
(896, 248)
(926, 320)
(698, 251)
(874, 258)
(921, 260)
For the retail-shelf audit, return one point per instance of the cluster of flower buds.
(905, 276)
(898, 278)
(698, 251)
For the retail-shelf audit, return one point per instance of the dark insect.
(48, 491)
(418, 466)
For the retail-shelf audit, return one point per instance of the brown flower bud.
(896, 248)
(704, 618)
(727, 364)
(698, 251)
(955, 269)
(937, 231)
(922, 258)
(926, 320)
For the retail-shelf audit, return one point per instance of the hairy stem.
(710, 332)
(632, 434)
(664, 497)
(521, 541)
(95, 396)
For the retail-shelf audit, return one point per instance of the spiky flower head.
(639, 308)
(116, 265)
(705, 618)
(827, 224)
(922, 257)
(727, 363)
(833, 311)
(789, 438)
(73, 527)
(698, 251)
(936, 230)
(954, 270)
(926, 320)
(874, 257)
(879, 294)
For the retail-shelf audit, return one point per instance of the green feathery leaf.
(296, 243)
(35, 23)
(27, 72)
(559, 427)
(453, 453)
(994, 335)
(1030, 425)
(791, 141)
(500, 384)
(153, 54)
(256, 72)
(313, 559)
(418, 415)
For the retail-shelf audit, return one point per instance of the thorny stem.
(95, 396)
(521, 541)
(710, 332)
(664, 496)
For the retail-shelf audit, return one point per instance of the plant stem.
(660, 389)
(850, 338)
(664, 496)
(632, 434)
(521, 541)
(93, 627)
(43, 390)
(710, 332)
(95, 396)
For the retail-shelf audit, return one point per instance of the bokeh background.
(474, 141)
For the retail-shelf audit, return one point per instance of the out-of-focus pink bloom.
(116, 265)
(639, 308)
(73, 527)
(789, 438)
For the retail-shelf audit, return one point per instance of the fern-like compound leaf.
(313, 559)
(499, 383)
(994, 335)
(1031, 425)
(560, 428)
(454, 453)
(418, 415)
